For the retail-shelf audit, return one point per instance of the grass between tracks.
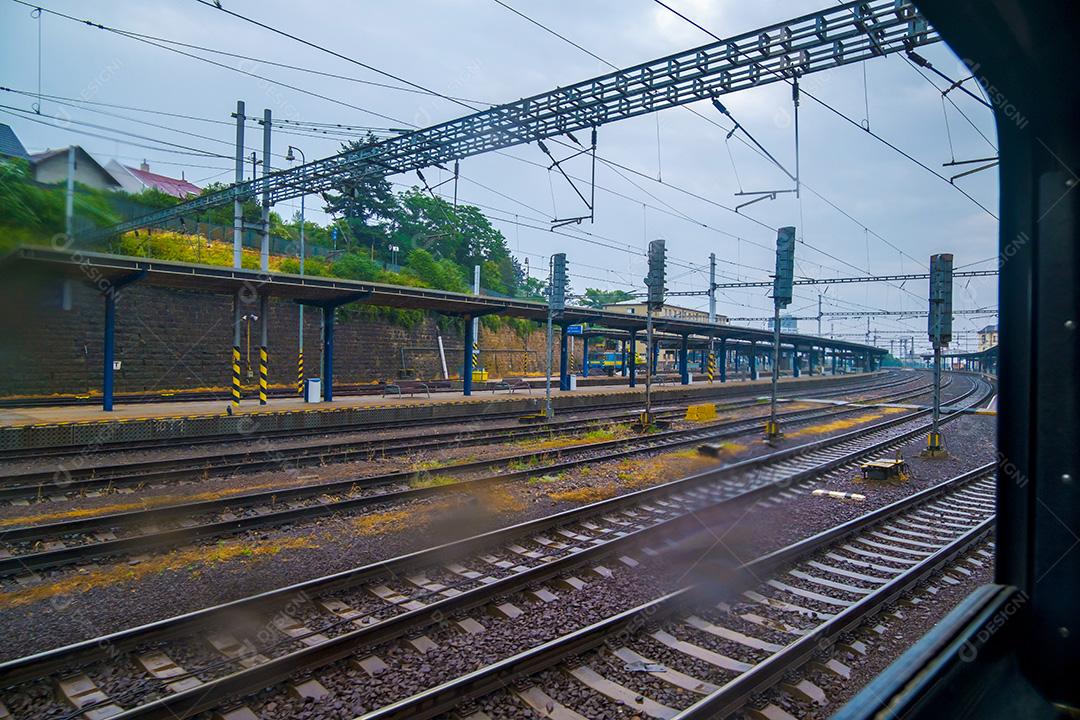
(634, 474)
(192, 560)
(141, 504)
(844, 423)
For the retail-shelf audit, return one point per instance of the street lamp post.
(300, 348)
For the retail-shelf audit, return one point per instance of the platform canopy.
(104, 270)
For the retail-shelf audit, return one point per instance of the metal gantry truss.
(988, 311)
(836, 36)
(836, 281)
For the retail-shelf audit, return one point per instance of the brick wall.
(169, 339)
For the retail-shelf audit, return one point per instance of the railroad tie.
(547, 706)
(162, 667)
(79, 691)
(230, 647)
(620, 693)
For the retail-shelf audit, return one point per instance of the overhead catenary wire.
(758, 145)
(846, 118)
(646, 176)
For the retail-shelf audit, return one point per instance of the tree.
(599, 298)
(364, 200)
(443, 274)
(532, 288)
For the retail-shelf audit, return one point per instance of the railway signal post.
(557, 281)
(654, 281)
(939, 327)
(782, 291)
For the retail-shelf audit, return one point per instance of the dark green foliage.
(599, 298)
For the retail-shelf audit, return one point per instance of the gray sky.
(478, 50)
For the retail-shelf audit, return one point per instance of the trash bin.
(313, 390)
(573, 382)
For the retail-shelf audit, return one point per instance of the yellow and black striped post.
(300, 373)
(712, 366)
(262, 374)
(236, 376)
(475, 355)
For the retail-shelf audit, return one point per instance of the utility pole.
(264, 252)
(712, 313)
(939, 327)
(238, 209)
(782, 295)
(300, 354)
(69, 200)
(819, 315)
(476, 320)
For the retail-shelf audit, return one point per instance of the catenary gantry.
(109, 274)
(847, 33)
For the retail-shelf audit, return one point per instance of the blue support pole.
(721, 360)
(109, 351)
(834, 361)
(632, 360)
(584, 356)
(655, 356)
(564, 360)
(684, 360)
(328, 353)
(467, 364)
(753, 361)
(622, 370)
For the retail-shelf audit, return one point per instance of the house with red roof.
(135, 180)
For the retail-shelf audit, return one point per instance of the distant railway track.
(35, 547)
(246, 645)
(64, 480)
(81, 453)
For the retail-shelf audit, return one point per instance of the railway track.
(852, 384)
(195, 662)
(47, 545)
(67, 478)
(717, 656)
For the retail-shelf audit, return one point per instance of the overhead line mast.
(829, 38)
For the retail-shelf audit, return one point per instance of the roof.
(989, 329)
(10, 145)
(328, 292)
(38, 158)
(169, 186)
(42, 156)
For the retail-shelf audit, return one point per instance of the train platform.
(25, 428)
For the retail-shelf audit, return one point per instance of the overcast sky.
(480, 51)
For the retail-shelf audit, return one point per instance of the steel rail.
(37, 482)
(64, 555)
(733, 389)
(500, 675)
(47, 662)
(212, 693)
